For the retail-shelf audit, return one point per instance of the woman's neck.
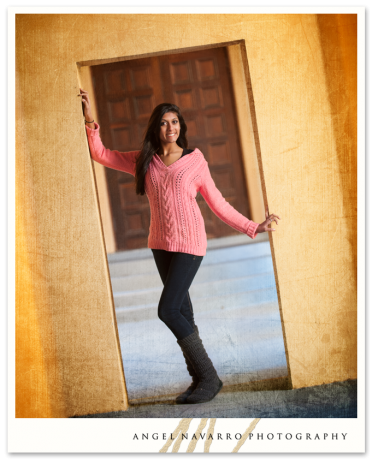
(169, 148)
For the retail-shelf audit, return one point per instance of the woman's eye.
(174, 121)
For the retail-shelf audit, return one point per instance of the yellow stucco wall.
(304, 92)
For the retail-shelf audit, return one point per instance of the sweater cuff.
(251, 231)
(92, 132)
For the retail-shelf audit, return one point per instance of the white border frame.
(62, 435)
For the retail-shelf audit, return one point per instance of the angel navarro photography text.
(239, 436)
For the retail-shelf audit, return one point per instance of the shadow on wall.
(339, 32)
(338, 37)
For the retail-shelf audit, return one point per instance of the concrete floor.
(336, 400)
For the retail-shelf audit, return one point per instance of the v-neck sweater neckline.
(178, 159)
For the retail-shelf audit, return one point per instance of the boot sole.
(209, 399)
(182, 399)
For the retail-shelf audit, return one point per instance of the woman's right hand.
(86, 107)
(264, 226)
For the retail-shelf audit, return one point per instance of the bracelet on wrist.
(89, 122)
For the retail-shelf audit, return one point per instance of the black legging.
(177, 271)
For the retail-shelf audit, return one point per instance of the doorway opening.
(234, 293)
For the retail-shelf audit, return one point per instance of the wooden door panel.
(185, 99)
(129, 200)
(144, 105)
(140, 77)
(114, 81)
(121, 137)
(181, 72)
(119, 110)
(211, 97)
(207, 68)
(192, 127)
(219, 153)
(215, 125)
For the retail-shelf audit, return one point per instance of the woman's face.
(169, 128)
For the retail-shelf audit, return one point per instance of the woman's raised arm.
(114, 159)
(121, 161)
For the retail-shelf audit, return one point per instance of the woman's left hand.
(264, 226)
(87, 110)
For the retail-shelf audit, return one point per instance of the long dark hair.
(151, 142)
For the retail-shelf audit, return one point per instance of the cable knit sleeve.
(121, 161)
(222, 208)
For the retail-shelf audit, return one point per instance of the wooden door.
(200, 84)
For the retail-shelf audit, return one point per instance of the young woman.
(171, 175)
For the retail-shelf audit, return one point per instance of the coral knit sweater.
(176, 220)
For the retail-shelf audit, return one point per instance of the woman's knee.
(165, 313)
